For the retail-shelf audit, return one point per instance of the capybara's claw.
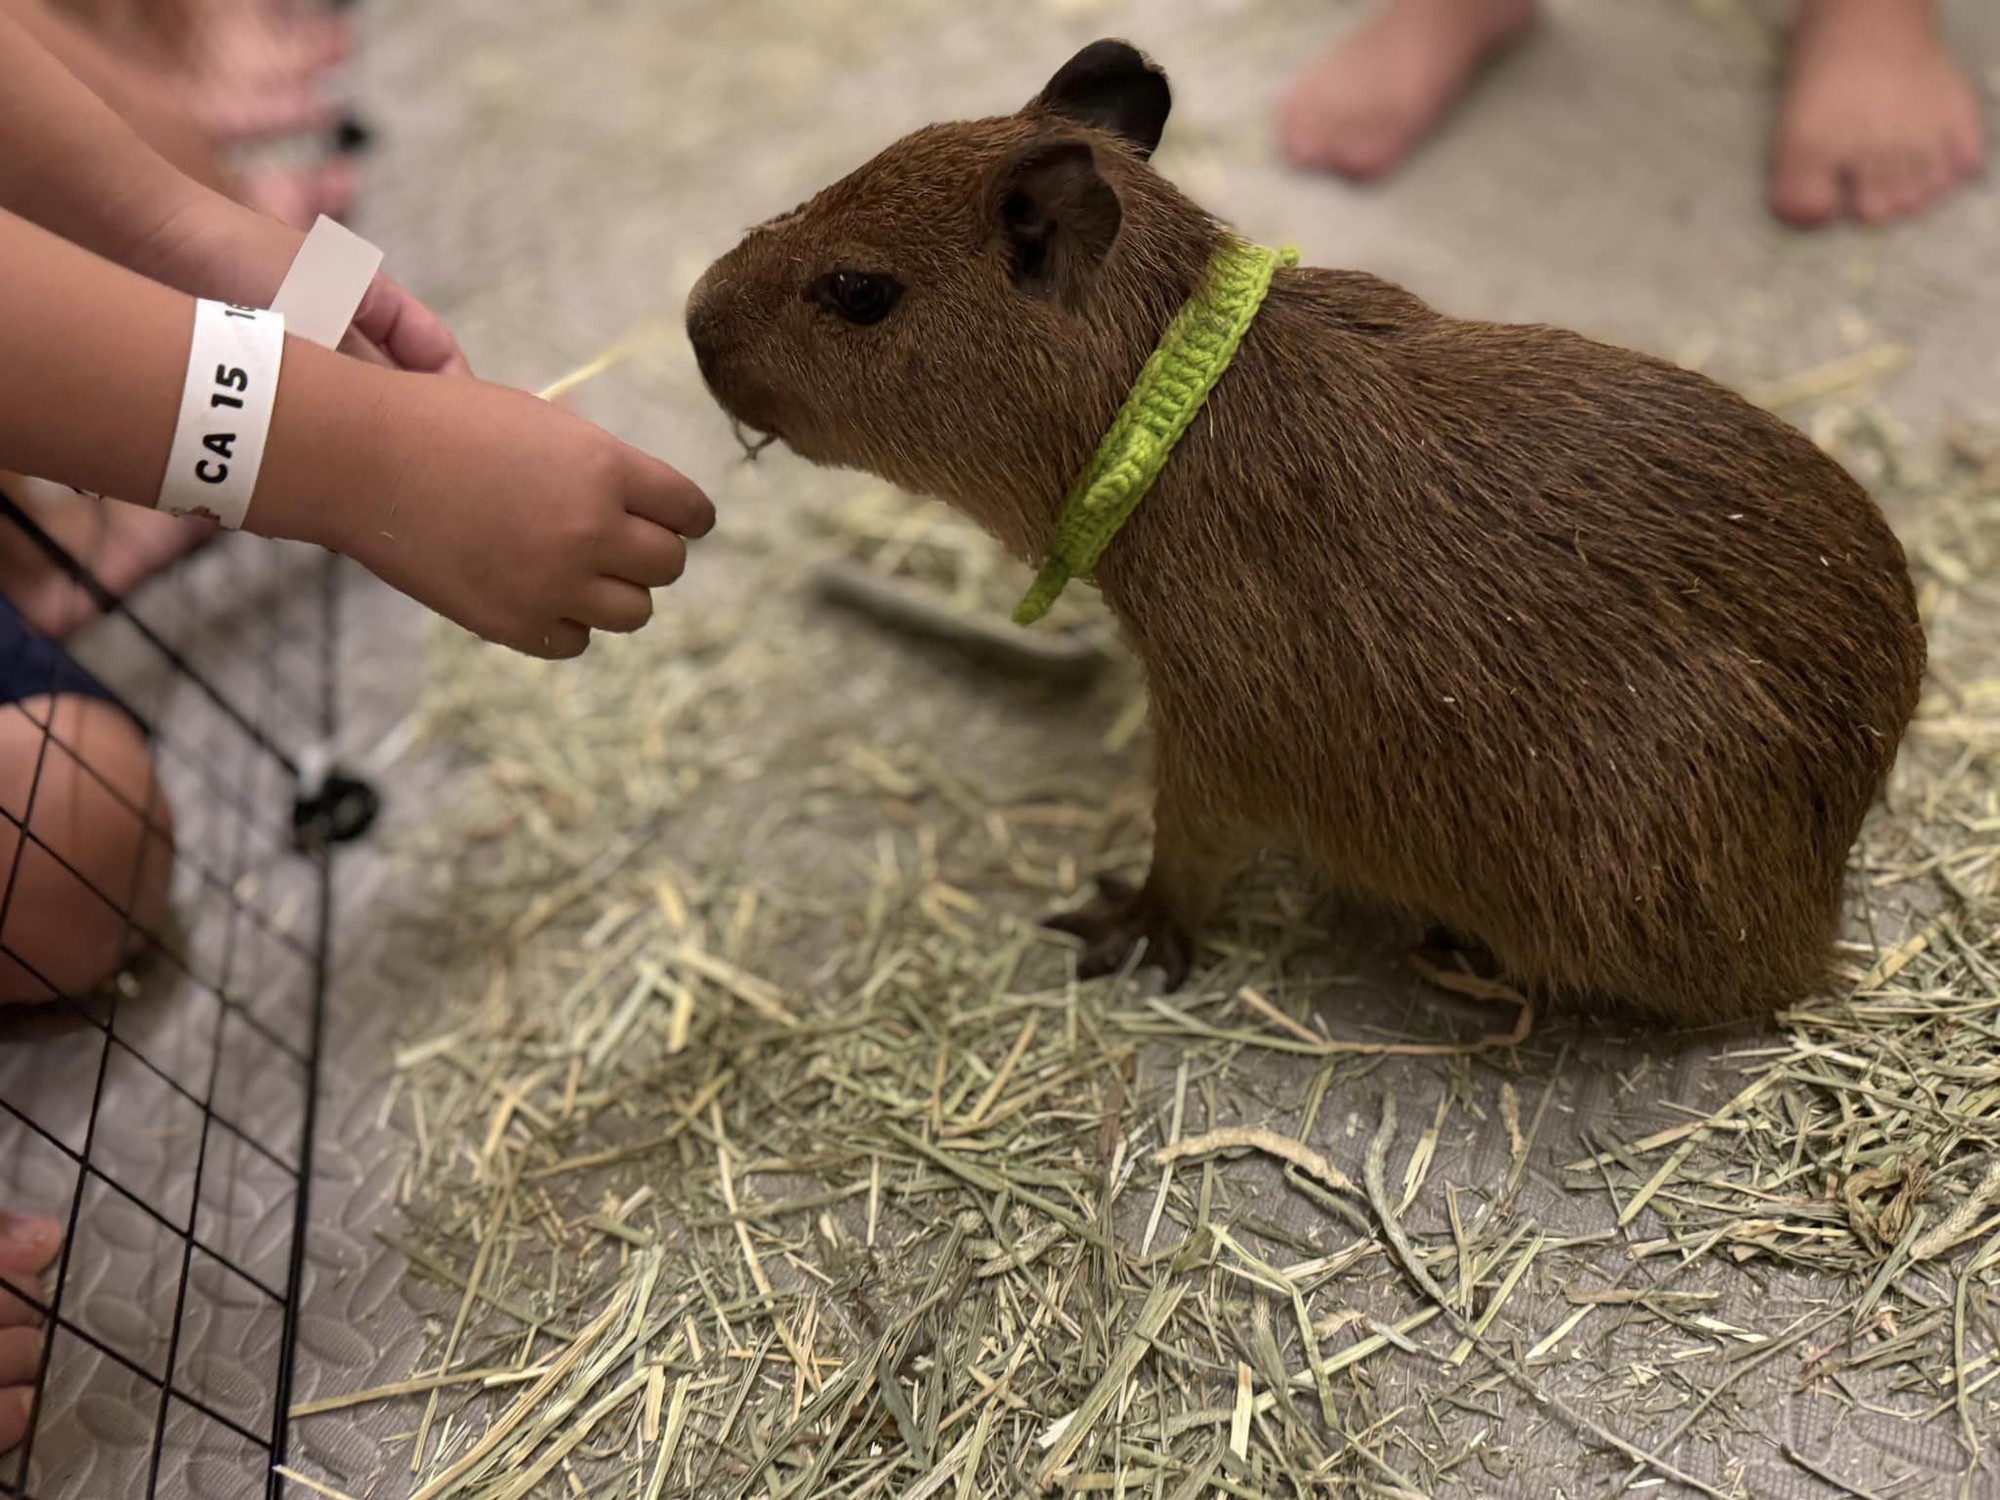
(1077, 923)
(1120, 921)
(1114, 895)
(1115, 888)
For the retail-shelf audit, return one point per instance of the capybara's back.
(1587, 657)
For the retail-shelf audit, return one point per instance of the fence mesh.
(166, 1118)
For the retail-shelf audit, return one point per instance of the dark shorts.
(32, 665)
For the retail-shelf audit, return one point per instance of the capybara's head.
(964, 314)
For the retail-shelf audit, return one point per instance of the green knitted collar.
(1197, 348)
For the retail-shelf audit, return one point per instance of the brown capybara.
(1558, 646)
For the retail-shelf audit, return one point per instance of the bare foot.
(298, 195)
(1372, 98)
(122, 545)
(256, 70)
(189, 109)
(28, 1247)
(252, 69)
(1879, 121)
(1115, 923)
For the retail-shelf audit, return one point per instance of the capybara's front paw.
(1115, 923)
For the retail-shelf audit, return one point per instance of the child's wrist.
(206, 245)
(328, 456)
(157, 215)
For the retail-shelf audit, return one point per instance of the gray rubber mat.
(167, 1121)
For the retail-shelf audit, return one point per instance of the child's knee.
(78, 774)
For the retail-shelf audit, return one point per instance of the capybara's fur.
(1554, 644)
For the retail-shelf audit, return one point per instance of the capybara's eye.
(862, 297)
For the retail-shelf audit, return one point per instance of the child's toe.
(1805, 184)
(28, 1245)
(1876, 180)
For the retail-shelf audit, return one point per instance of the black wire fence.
(166, 1118)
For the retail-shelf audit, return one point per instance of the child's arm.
(121, 86)
(503, 513)
(68, 163)
(91, 366)
(71, 165)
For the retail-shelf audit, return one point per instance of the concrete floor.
(548, 177)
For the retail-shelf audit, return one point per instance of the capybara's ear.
(1058, 217)
(1110, 85)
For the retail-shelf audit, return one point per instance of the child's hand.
(505, 514)
(217, 248)
(396, 329)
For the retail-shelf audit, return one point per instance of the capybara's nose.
(705, 333)
(704, 319)
(704, 357)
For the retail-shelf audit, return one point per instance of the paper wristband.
(232, 384)
(329, 277)
(219, 442)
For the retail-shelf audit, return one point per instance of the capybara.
(1555, 645)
